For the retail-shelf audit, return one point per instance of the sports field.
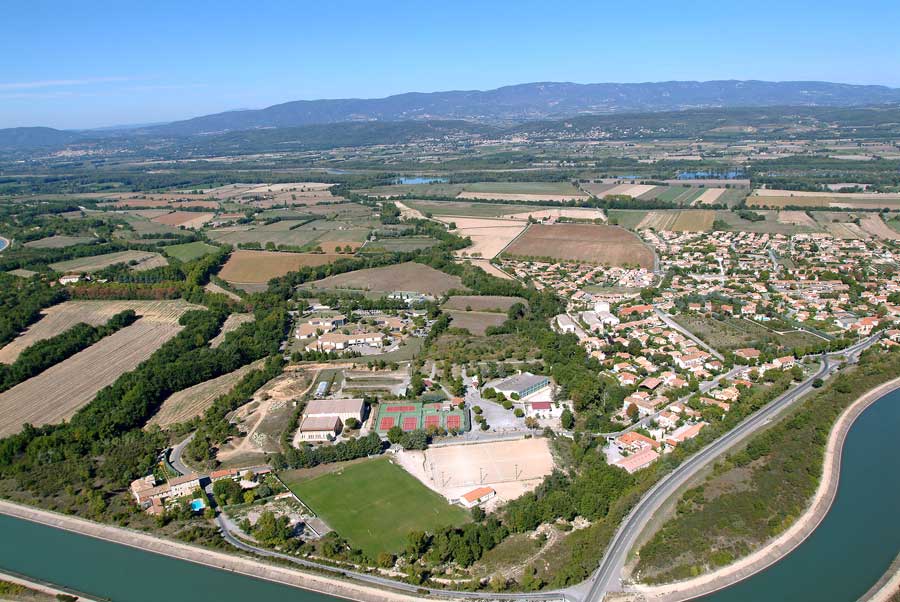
(374, 504)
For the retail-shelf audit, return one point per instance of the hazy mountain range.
(503, 106)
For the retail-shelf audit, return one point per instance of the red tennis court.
(386, 423)
(410, 423)
(399, 408)
(432, 420)
(454, 421)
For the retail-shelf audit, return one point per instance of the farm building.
(318, 428)
(522, 385)
(148, 495)
(411, 416)
(640, 460)
(342, 408)
(337, 342)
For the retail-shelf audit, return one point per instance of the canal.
(849, 551)
(859, 538)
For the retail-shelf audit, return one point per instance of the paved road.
(176, 453)
(606, 577)
(673, 324)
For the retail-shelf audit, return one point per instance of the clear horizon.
(120, 65)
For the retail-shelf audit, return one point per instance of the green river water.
(850, 550)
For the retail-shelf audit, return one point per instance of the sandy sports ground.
(59, 318)
(489, 236)
(58, 392)
(510, 467)
(786, 542)
(582, 242)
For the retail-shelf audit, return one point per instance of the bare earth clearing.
(874, 225)
(510, 467)
(62, 317)
(494, 303)
(797, 218)
(58, 392)
(581, 242)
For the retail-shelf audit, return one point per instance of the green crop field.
(374, 504)
(189, 251)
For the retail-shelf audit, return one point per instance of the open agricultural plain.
(60, 318)
(408, 277)
(254, 268)
(58, 392)
(679, 221)
(579, 242)
(144, 260)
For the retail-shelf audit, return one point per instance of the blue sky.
(88, 64)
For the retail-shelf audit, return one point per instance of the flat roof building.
(523, 384)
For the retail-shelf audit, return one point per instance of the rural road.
(606, 577)
(176, 453)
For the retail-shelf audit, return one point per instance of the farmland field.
(775, 222)
(679, 221)
(578, 242)
(402, 277)
(59, 242)
(62, 317)
(189, 251)
(441, 208)
(863, 200)
(476, 322)
(186, 219)
(627, 218)
(494, 303)
(98, 262)
(406, 243)
(374, 504)
(58, 392)
(297, 233)
(193, 401)
(232, 322)
(489, 235)
(258, 267)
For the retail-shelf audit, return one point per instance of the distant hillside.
(35, 137)
(526, 102)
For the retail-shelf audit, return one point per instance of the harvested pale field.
(797, 218)
(489, 236)
(489, 268)
(232, 322)
(583, 214)
(846, 230)
(851, 200)
(581, 242)
(709, 197)
(57, 393)
(632, 190)
(476, 322)
(598, 189)
(215, 288)
(186, 219)
(874, 225)
(528, 198)
(869, 196)
(98, 262)
(512, 468)
(679, 221)
(258, 267)
(496, 303)
(60, 318)
(59, 242)
(401, 277)
(172, 202)
(195, 400)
